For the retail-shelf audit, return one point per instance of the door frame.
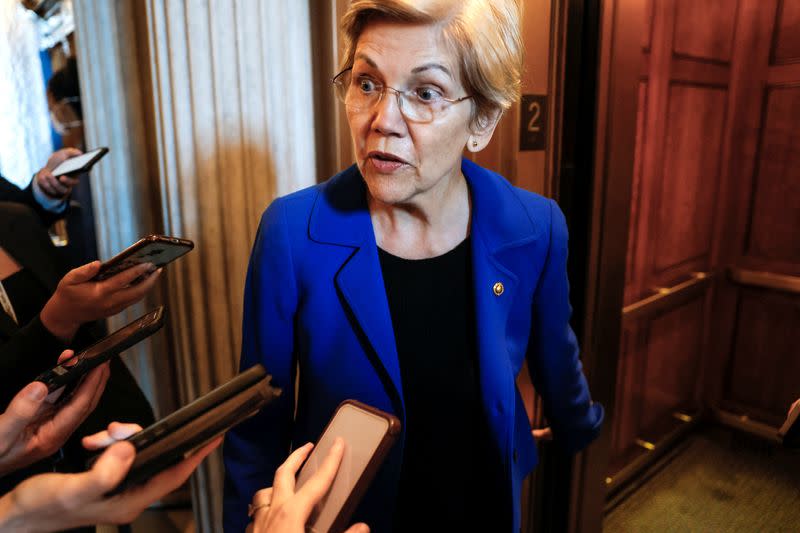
(601, 80)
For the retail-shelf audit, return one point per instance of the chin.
(388, 189)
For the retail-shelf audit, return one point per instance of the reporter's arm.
(53, 502)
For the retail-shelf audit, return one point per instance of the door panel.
(683, 231)
(765, 352)
(708, 42)
(673, 355)
(776, 207)
(786, 47)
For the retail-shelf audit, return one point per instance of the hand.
(543, 434)
(57, 187)
(32, 428)
(53, 502)
(287, 511)
(78, 299)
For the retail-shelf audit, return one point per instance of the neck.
(429, 225)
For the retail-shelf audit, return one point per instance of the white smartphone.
(368, 435)
(80, 163)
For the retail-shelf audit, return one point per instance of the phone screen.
(75, 163)
(363, 432)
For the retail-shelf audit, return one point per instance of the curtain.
(25, 141)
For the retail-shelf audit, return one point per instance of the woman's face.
(402, 159)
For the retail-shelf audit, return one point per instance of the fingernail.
(38, 392)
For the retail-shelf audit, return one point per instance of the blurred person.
(77, 231)
(45, 310)
(417, 282)
(45, 194)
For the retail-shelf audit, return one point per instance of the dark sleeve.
(553, 357)
(11, 193)
(24, 355)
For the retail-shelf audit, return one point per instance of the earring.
(474, 144)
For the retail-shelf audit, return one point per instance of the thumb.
(107, 472)
(358, 528)
(22, 411)
(82, 274)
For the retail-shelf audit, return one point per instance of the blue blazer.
(315, 303)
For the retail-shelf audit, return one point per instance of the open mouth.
(384, 157)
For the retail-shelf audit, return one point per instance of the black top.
(451, 473)
(27, 294)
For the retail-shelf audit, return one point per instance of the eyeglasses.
(362, 93)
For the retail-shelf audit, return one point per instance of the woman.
(417, 282)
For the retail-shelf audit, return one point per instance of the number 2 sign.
(533, 122)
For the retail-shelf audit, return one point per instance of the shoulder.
(19, 215)
(515, 206)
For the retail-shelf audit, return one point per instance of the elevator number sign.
(533, 126)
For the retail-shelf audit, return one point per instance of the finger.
(320, 483)
(45, 184)
(167, 481)
(130, 295)
(55, 184)
(68, 181)
(358, 528)
(124, 278)
(543, 434)
(283, 484)
(59, 156)
(22, 411)
(107, 472)
(66, 354)
(79, 406)
(116, 431)
(82, 274)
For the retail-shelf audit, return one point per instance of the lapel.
(500, 225)
(340, 217)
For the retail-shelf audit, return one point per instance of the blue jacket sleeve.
(254, 449)
(553, 357)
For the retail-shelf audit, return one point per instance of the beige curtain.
(207, 108)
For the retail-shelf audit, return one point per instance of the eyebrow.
(429, 66)
(415, 70)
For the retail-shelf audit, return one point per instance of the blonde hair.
(485, 35)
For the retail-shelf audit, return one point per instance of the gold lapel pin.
(498, 289)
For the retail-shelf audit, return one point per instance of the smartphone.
(368, 435)
(171, 439)
(77, 366)
(80, 163)
(156, 249)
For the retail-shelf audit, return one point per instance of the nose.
(388, 119)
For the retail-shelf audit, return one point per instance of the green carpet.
(721, 482)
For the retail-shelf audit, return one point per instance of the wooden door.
(709, 319)
(755, 370)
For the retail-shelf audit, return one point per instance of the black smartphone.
(157, 249)
(171, 439)
(80, 163)
(77, 366)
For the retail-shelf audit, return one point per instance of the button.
(498, 289)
